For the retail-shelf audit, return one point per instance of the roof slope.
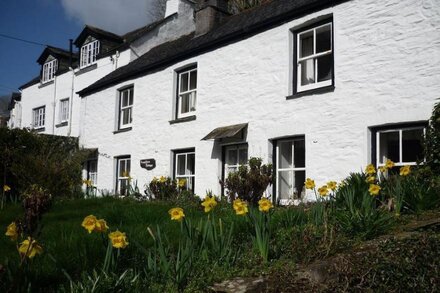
(236, 27)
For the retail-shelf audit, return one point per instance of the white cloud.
(117, 16)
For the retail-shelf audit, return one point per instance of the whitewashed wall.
(387, 70)
(61, 88)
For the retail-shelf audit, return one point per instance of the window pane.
(121, 168)
(243, 156)
(128, 167)
(389, 146)
(180, 168)
(185, 103)
(306, 44)
(131, 96)
(299, 154)
(124, 98)
(285, 153)
(191, 164)
(126, 119)
(285, 186)
(123, 186)
(298, 184)
(183, 82)
(323, 39)
(307, 71)
(193, 80)
(231, 157)
(412, 149)
(325, 66)
(193, 100)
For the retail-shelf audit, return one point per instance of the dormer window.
(89, 52)
(49, 69)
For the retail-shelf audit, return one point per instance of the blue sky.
(54, 22)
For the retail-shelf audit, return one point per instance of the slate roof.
(94, 31)
(235, 28)
(56, 52)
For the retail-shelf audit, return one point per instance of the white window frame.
(190, 184)
(292, 170)
(64, 110)
(128, 107)
(92, 175)
(119, 177)
(49, 70)
(400, 131)
(39, 117)
(89, 52)
(314, 56)
(192, 92)
(235, 167)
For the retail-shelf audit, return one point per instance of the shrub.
(432, 141)
(249, 183)
(52, 162)
(163, 188)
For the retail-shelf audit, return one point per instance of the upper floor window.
(88, 53)
(314, 57)
(64, 110)
(125, 107)
(39, 117)
(186, 92)
(49, 69)
(403, 146)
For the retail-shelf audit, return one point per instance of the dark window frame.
(174, 169)
(328, 88)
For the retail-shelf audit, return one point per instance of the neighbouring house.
(318, 88)
(4, 109)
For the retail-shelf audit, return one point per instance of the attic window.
(88, 53)
(49, 69)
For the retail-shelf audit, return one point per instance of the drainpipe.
(69, 132)
(54, 103)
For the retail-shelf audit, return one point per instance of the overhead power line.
(22, 40)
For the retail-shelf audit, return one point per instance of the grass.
(69, 247)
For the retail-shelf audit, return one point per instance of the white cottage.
(318, 88)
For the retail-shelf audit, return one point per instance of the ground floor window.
(123, 174)
(92, 171)
(402, 145)
(290, 169)
(184, 167)
(235, 156)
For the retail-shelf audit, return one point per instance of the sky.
(54, 22)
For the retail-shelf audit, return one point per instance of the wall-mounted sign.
(148, 164)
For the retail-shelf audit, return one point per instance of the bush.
(52, 162)
(432, 141)
(249, 183)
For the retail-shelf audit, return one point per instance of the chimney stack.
(209, 13)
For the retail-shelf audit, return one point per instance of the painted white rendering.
(386, 71)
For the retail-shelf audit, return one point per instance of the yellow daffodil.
(6, 188)
(310, 184)
(240, 207)
(181, 183)
(101, 226)
(12, 231)
(323, 190)
(30, 248)
(118, 239)
(209, 203)
(374, 189)
(264, 205)
(162, 179)
(389, 164)
(176, 214)
(370, 169)
(88, 182)
(405, 170)
(89, 223)
(371, 179)
(382, 169)
(332, 185)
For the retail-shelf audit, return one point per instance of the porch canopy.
(231, 131)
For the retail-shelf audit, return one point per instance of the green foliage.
(163, 188)
(263, 231)
(237, 6)
(52, 162)
(356, 211)
(432, 141)
(249, 183)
